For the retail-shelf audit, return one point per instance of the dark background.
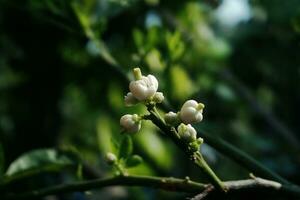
(63, 67)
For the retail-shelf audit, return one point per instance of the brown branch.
(256, 183)
(164, 183)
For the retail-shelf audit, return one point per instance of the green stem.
(200, 161)
(196, 157)
(158, 115)
(241, 157)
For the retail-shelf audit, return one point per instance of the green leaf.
(158, 150)
(126, 147)
(182, 84)
(154, 60)
(105, 135)
(175, 45)
(37, 161)
(138, 38)
(133, 161)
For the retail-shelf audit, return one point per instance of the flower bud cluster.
(190, 113)
(189, 135)
(142, 90)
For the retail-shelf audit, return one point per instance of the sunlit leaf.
(159, 151)
(115, 96)
(154, 60)
(138, 40)
(175, 45)
(37, 161)
(181, 83)
(105, 135)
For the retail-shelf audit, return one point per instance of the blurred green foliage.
(63, 68)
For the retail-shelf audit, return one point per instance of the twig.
(204, 193)
(168, 184)
(255, 183)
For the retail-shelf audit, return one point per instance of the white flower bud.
(158, 97)
(171, 118)
(191, 112)
(130, 123)
(187, 132)
(110, 158)
(144, 88)
(130, 100)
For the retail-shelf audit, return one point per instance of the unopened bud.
(110, 158)
(130, 100)
(171, 118)
(191, 112)
(187, 132)
(158, 97)
(131, 123)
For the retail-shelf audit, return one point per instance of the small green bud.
(137, 73)
(187, 132)
(110, 158)
(200, 106)
(200, 140)
(130, 100)
(171, 118)
(131, 123)
(194, 146)
(158, 97)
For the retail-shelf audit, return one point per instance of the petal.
(192, 132)
(124, 120)
(153, 81)
(135, 128)
(130, 99)
(138, 90)
(190, 103)
(150, 92)
(187, 115)
(199, 117)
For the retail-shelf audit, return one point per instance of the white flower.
(158, 97)
(191, 112)
(171, 118)
(130, 99)
(187, 132)
(144, 87)
(130, 123)
(110, 158)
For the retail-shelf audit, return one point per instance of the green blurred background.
(63, 76)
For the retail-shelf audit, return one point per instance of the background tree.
(65, 67)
